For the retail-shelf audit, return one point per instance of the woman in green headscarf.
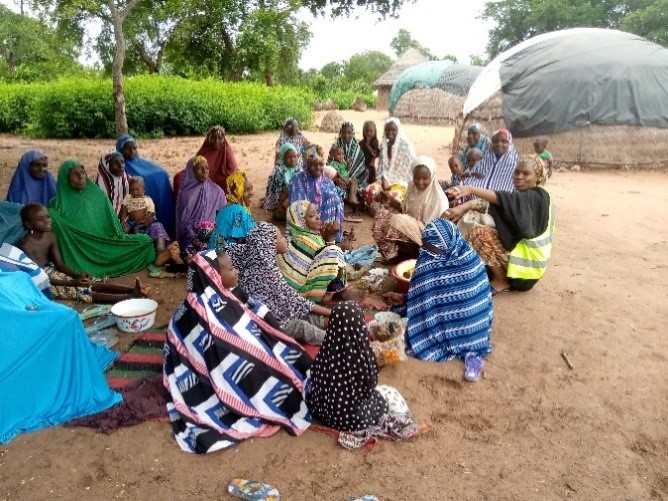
(89, 234)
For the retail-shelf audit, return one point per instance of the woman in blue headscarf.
(156, 180)
(32, 182)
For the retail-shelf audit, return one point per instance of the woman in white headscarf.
(399, 228)
(394, 166)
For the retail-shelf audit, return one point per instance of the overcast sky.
(444, 27)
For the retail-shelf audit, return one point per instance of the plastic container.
(135, 315)
(400, 271)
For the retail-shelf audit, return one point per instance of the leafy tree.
(450, 57)
(404, 41)
(519, 20)
(366, 66)
(332, 70)
(31, 50)
(477, 60)
(649, 19)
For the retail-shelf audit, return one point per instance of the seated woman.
(276, 197)
(113, 180)
(517, 250)
(370, 147)
(476, 137)
(260, 277)
(41, 246)
(51, 372)
(89, 233)
(394, 166)
(315, 269)
(342, 390)
(32, 182)
(312, 185)
(155, 177)
(495, 170)
(199, 200)
(219, 155)
(398, 230)
(234, 221)
(218, 327)
(449, 305)
(292, 134)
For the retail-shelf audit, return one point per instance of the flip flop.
(473, 365)
(495, 292)
(350, 219)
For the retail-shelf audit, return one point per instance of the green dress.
(89, 234)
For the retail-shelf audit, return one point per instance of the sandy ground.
(532, 429)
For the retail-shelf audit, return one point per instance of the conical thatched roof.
(411, 57)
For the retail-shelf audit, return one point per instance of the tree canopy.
(519, 20)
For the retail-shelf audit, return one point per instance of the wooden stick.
(564, 355)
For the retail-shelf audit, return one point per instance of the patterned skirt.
(485, 241)
(386, 236)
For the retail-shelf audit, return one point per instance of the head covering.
(342, 386)
(352, 155)
(296, 217)
(156, 182)
(89, 233)
(298, 140)
(431, 202)
(260, 277)
(537, 164)
(482, 144)
(233, 223)
(396, 168)
(221, 162)
(197, 202)
(315, 153)
(236, 188)
(24, 188)
(116, 187)
(449, 302)
(248, 376)
(497, 172)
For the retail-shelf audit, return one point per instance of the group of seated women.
(235, 359)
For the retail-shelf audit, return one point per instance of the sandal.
(351, 219)
(93, 311)
(473, 365)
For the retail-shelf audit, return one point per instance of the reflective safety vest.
(528, 260)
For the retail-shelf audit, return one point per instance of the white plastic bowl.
(135, 315)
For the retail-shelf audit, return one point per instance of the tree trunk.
(269, 77)
(117, 71)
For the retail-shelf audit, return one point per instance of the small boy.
(458, 172)
(540, 148)
(138, 215)
(473, 156)
(348, 187)
(41, 246)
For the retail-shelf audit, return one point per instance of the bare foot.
(163, 257)
(175, 252)
(499, 286)
(141, 290)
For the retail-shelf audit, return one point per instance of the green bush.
(156, 106)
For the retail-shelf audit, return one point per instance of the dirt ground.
(531, 429)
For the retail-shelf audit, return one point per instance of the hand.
(454, 214)
(394, 298)
(458, 191)
(329, 230)
(477, 175)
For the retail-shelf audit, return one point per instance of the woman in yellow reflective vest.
(517, 249)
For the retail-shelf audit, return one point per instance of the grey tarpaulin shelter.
(432, 93)
(600, 95)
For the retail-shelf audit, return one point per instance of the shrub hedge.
(156, 106)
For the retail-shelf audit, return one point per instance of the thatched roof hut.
(383, 84)
(599, 95)
(438, 100)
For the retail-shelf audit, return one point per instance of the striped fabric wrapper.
(14, 259)
(230, 373)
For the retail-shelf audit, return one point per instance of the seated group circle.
(283, 288)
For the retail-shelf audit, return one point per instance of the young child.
(458, 171)
(371, 149)
(346, 187)
(41, 246)
(540, 148)
(138, 216)
(473, 156)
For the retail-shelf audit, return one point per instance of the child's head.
(391, 131)
(473, 156)
(336, 152)
(248, 192)
(347, 132)
(136, 185)
(288, 154)
(200, 168)
(369, 130)
(35, 218)
(421, 176)
(540, 144)
(229, 275)
(456, 165)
